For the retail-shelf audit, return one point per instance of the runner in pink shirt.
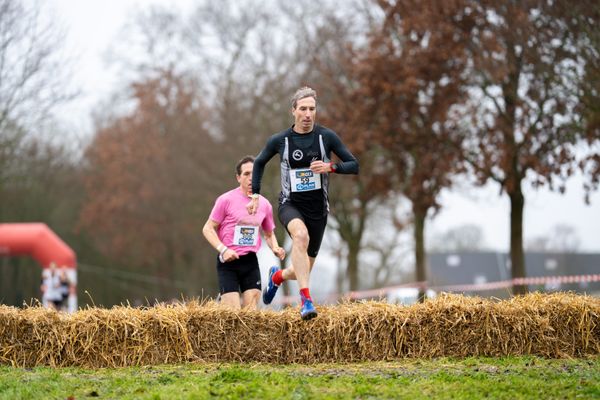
(235, 234)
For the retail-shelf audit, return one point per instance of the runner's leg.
(231, 299)
(289, 274)
(250, 299)
(300, 260)
(249, 277)
(316, 231)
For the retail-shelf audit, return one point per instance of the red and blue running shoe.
(271, 289)
(308, 311)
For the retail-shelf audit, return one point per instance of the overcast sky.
(92, 25)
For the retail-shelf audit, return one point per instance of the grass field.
(470, 378)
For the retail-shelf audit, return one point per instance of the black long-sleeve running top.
(306, 190)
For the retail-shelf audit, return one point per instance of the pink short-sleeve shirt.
(239, 230)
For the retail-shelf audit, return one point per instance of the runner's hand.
(230, 255)
(279, 252)
(320, 167)
(252, 206)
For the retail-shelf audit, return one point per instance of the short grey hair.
(303, 93)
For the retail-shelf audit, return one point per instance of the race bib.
(245, 235)
(304, 180)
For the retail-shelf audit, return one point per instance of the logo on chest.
(297, 155)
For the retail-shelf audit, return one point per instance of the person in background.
(51, 293)
(235, 234)
(64, 287)
(305, 160)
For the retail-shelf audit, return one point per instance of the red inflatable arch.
(38, 241)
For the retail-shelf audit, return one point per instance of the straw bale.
(555, 325)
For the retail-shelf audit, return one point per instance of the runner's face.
(245, 179)
(304, 114)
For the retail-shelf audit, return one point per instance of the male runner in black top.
(305, 159)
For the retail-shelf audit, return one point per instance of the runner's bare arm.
(271, 240)
(210, 233)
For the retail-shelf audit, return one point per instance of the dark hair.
(244, 160)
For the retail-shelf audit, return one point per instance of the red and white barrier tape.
(539, 280)
(383, 292)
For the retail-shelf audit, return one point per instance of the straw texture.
(558, 325)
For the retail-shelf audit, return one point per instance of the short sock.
(305, 295)
(278, 277)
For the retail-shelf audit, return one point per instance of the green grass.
(471, 378)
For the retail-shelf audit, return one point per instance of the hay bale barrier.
(559, 325)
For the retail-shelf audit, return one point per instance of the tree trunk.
(351, 226)
(340, 273)
(420, 261)
(352, 269)
(517, 258)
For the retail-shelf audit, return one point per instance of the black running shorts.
(315, 227)
(239, 275)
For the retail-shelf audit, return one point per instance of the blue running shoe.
(308, 310)
(271, 289)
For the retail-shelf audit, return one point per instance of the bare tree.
(467, 237)
(562, 238)
(388, 247)
(32, 80)
(33, 72)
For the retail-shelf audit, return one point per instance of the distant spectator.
(64, 286)
(51, 290)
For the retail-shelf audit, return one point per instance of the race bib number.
(245, 235)
(304, 180)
